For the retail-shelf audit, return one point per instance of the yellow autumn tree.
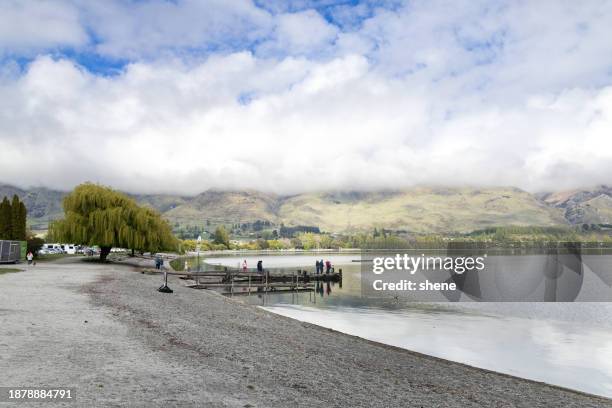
(98, 215)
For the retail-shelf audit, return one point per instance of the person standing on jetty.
(244, 266)
(328, 267)
(260, 266)
(317, 266)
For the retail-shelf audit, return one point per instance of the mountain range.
(417, 210)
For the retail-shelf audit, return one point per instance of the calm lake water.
(566, 344)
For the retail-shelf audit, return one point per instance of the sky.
(155, 96)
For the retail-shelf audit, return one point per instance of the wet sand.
(105, 330)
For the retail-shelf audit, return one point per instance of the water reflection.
(567, 344)
(570, 355)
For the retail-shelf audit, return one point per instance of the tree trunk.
(104, 251)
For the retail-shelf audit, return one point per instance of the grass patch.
(9, 270)
(52, 257)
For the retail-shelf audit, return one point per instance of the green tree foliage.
(13, 216)
(6, 224)
(262, 244)
(277, 244)
(97, 215)
(327, 242)
(192, 245)
(23, 216)
(309, 240)
(34, 243)
(189, 231)
(18, 219)
(221, 236)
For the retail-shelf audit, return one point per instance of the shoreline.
(207, 348)
(439, 359)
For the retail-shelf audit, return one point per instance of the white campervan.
(69, 249)
(52, 247)
(61, 248)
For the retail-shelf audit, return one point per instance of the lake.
(565, 344)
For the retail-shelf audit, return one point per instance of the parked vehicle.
(53, 248)
(69, 249)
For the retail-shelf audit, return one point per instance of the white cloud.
(310, 126)
(516, 94)
(151, 28)
(304, 32)
(30, 26)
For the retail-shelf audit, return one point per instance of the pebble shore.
(105, 330)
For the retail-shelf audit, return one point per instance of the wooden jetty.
(260, 284)
(236, 282)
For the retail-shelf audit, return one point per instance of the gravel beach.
(105, 330)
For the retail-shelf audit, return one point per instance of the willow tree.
(97, 215)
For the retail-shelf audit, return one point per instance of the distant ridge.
(415, 210)
(583, 206)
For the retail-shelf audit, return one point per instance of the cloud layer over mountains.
(160, 96)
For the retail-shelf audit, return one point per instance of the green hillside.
(225, 207)
(420, 210)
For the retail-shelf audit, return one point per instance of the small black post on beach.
(164, 288)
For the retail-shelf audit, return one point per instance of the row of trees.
(189, 231)
(97, 215)
(506, 237)
(305, 240)
(13, 216)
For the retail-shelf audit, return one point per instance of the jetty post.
(198, 245)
